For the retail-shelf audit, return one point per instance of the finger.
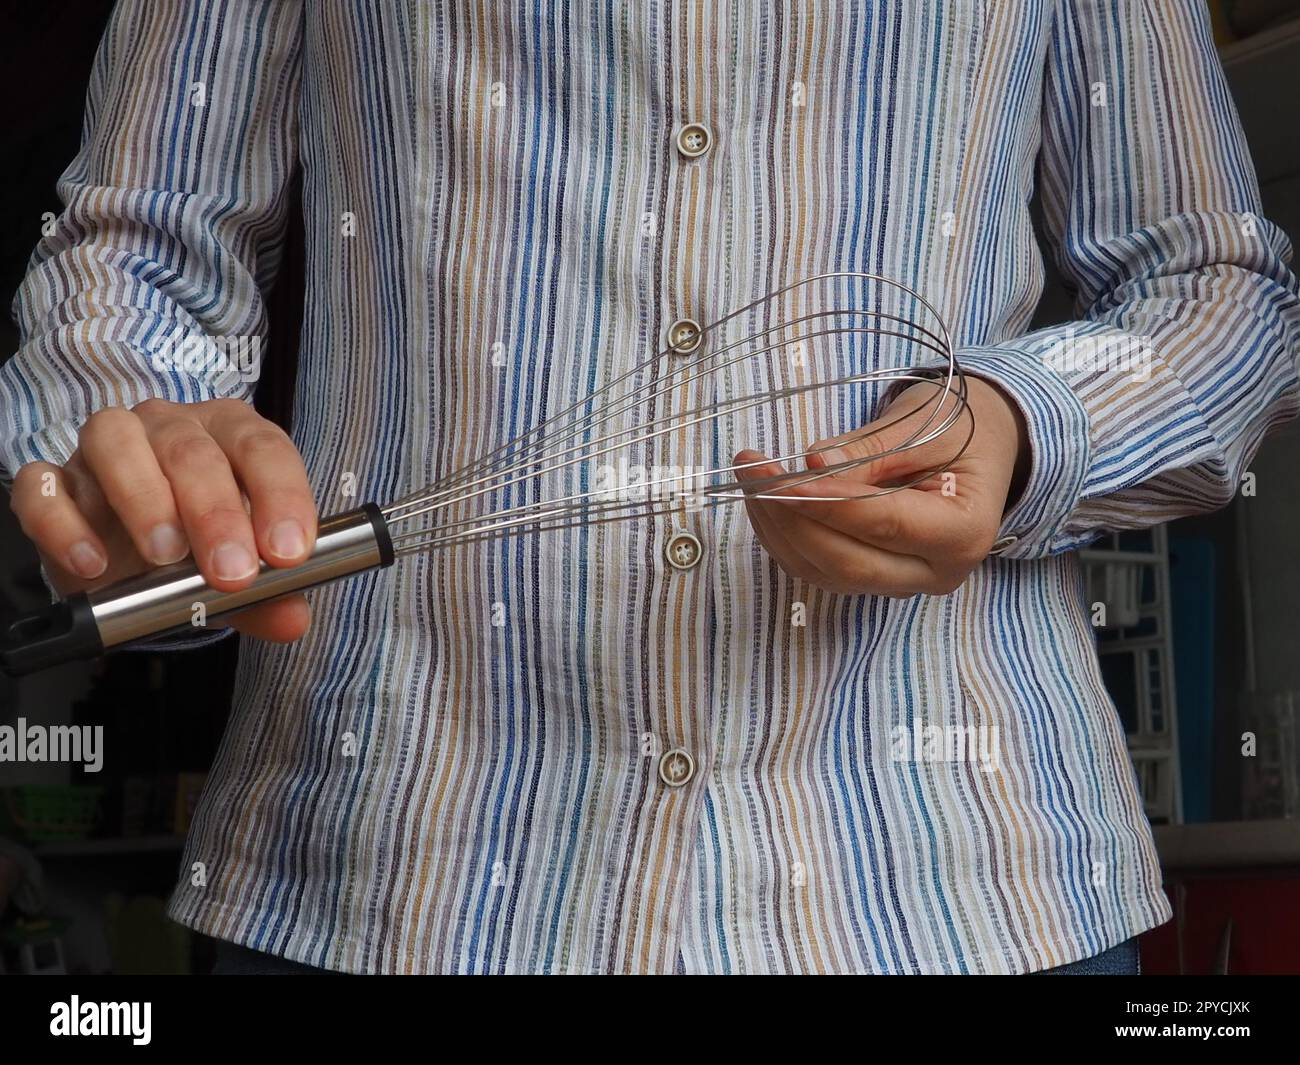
(846, 563)
(896, 446)
(116, 450)
(272, 474)
(752, 466)
(51, 519)
(780, 549)
(208, 500)
(282, 621)
(907, 521)
(755, 473)
(844, 505)
(855, 567)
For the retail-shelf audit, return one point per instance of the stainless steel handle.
(166, 598)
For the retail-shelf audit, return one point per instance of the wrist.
(989, 399)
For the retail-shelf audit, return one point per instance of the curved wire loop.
(543, 479)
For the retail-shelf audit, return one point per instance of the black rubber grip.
(63, 632)
(383, 538)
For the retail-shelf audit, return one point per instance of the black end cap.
(62, 632)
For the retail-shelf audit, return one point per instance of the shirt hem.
(1144, 913)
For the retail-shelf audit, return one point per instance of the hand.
(149, 485)
(925, 539)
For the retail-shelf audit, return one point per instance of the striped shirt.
(459, 768)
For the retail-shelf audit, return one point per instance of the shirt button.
(694, 140)
(683, 551)
(684, 336)
(1001, 544)
(676, 767)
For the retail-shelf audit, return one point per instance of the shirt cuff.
(1059, 449)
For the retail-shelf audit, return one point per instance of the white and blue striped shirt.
(413, 787)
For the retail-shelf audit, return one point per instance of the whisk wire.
(458, 509)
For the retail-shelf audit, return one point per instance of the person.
(585, 752)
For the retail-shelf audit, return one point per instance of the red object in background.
(1264, 911)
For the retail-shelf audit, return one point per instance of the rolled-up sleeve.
(173, 222)
(1153, 403)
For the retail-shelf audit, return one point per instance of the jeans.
(234, 960)
(1121, 960)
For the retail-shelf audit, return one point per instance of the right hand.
(150, 485)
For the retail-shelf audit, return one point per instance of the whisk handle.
(170, 598)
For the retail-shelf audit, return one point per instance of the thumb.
(890, 448)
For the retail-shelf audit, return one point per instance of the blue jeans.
(1121, 960)
(234, 960)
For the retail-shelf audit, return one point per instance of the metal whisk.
(565, 471)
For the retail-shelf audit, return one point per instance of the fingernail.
(287, 539)
(86, 560)
(166, 544)
(232, 562)
(833, 457)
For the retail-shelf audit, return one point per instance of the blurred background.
(1200, 646)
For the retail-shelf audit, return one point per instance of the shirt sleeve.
(1152, 405)
(150, 281)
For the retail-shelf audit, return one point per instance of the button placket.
(683, 550)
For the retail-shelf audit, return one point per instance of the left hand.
(920, 540)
